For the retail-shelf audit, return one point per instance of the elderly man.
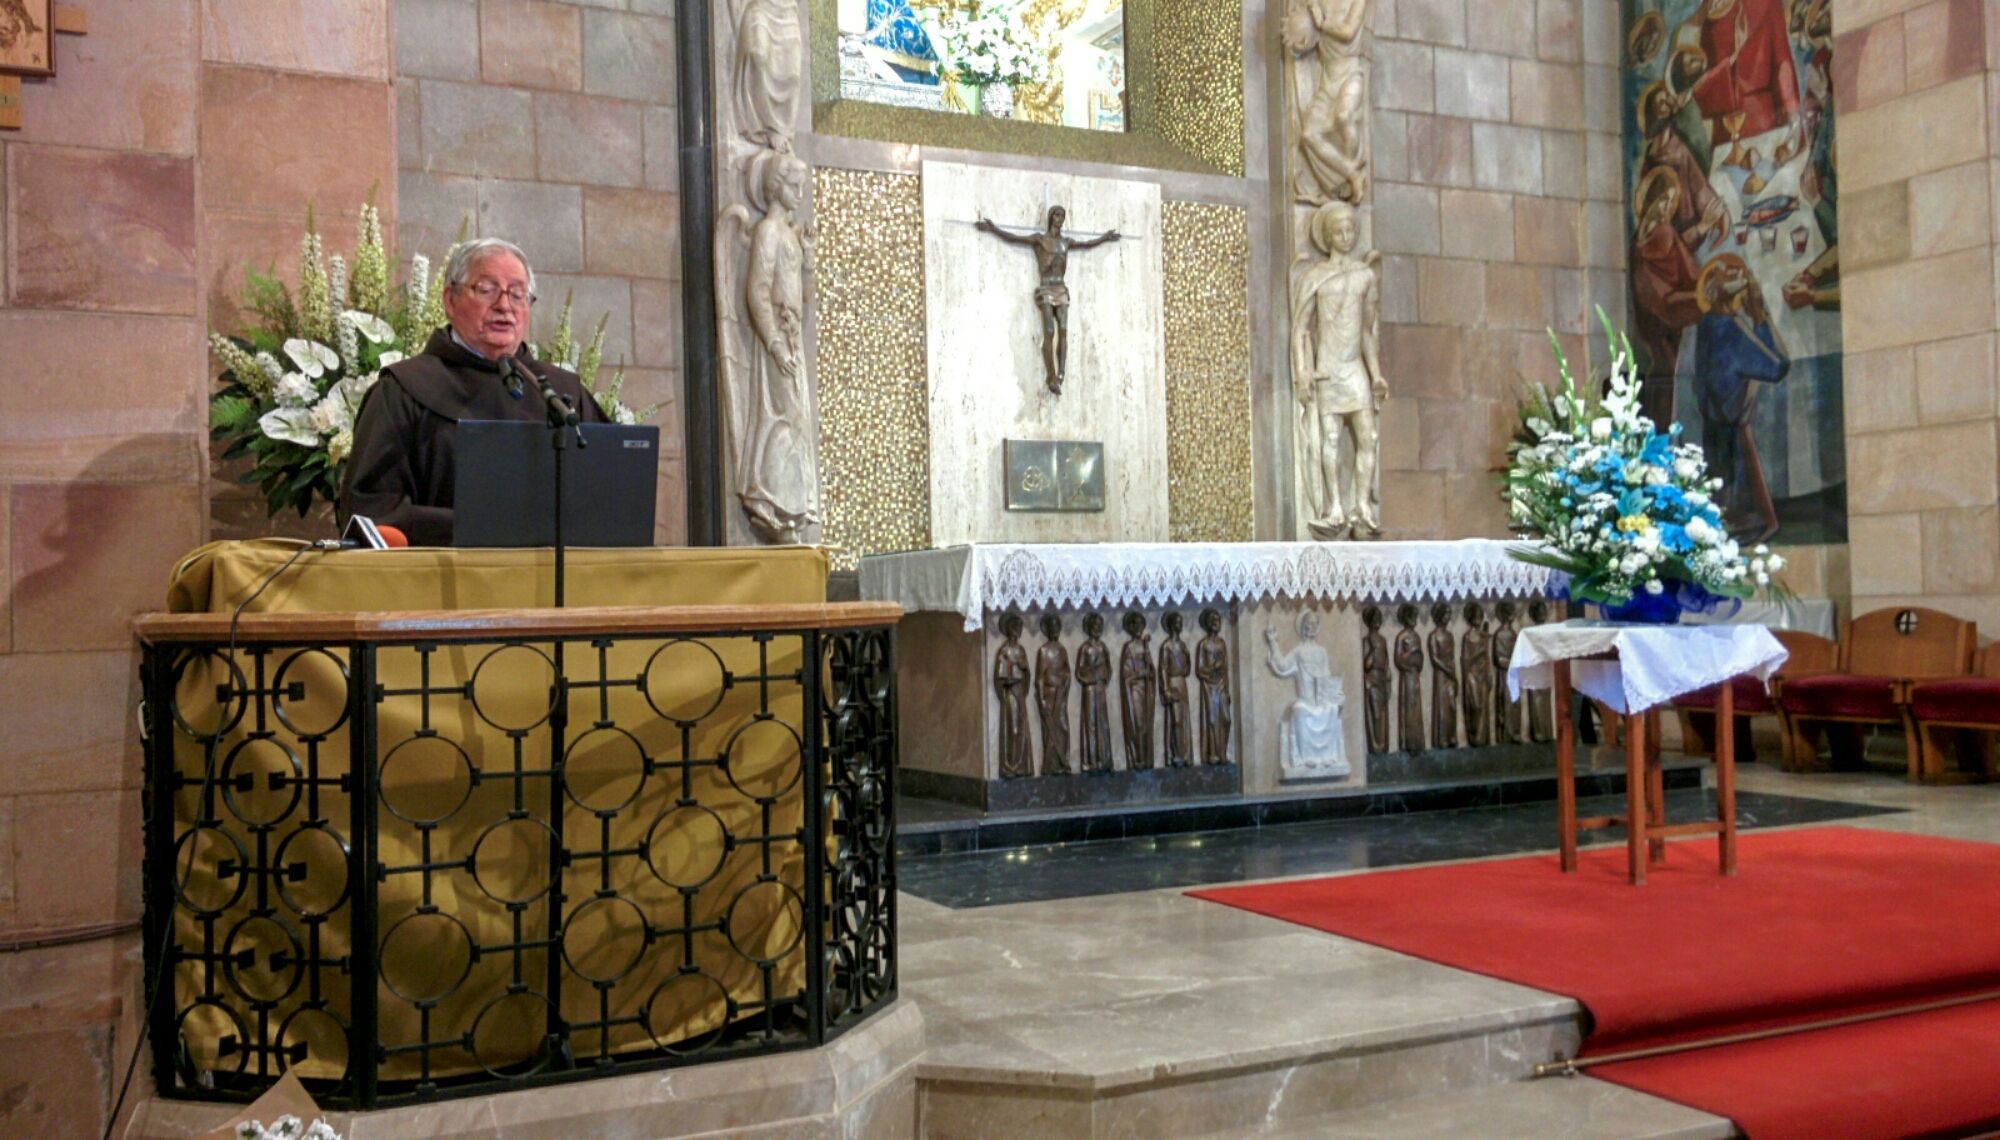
(403, 465)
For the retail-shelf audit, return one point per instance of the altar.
(1061, 675)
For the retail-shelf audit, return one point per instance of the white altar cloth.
(1655, 663)
(975, 580)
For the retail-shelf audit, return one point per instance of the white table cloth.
(1655, 663)
(980, 579)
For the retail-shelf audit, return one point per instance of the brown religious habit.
(1409, 681)
(1052, 697)
(404, 464)
(1444, 680)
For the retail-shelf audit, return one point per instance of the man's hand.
(1798, 291)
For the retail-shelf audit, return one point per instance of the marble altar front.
(1036, 676)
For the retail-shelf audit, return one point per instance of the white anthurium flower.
(295, 391)
(377, 330)
(313, 358)
(1538, 425)
(289, 425)
(391, 357)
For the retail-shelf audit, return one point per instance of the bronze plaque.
(1054, 475)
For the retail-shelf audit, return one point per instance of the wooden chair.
(1809, 654)
(1966, 709)
(1881, 654)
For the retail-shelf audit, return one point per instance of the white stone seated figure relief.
(1337, 379)
(1311, 742)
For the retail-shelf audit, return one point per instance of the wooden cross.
(65, 19)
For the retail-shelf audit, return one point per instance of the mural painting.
(1735, 250)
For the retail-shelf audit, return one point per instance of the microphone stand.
(563, 418)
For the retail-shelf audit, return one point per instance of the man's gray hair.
(479, 249)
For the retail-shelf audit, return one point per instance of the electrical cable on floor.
(151, 996)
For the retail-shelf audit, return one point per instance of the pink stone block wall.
(1499, 216)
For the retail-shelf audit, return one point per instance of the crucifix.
(27, 47)
(1052, 248)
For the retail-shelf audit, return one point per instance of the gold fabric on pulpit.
(484, 839)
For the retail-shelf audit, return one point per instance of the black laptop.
(504, 490)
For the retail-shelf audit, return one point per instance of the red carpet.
(1816, 923)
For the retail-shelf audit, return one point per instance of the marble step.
(1557, 1109)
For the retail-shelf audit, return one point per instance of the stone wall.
(1499, 213)
(178, 141)
(1914, 88)
(552, 124)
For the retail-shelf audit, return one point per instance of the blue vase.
(1646, 609)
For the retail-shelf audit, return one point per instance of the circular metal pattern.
(513, 860)
(426, 779)
(684, 666)
(209, 1020)
(603, 939)
(270, 787)
(764, 777)
(604, 770)
(426, 956)
(203, 694)
(321, 855)
(681, 840)
(250, 960)
(195, 862)
(768, 939)
(691, 1001)
(510, 1036)
(291, 712)
(320, 1035)
(508, 693)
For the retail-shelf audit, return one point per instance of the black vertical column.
(700, 402)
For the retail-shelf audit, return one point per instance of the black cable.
(151, 997)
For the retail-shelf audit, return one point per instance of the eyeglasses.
(489, 291)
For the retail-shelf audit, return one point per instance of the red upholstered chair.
(1964, 708)
(1809, 653)
(1881, 654)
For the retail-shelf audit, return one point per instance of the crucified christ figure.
(1052, 250)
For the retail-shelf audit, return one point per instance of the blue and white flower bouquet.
(1626, 510)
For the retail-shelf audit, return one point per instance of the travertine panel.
(1910, 302)
(1887, 553)
(1207, 321)
(874, 442)
(1948, 465)
(985, 358)
(1929, 130)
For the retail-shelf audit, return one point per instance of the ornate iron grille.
(409, 870)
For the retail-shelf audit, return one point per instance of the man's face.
(1056, 218)
(484, 311)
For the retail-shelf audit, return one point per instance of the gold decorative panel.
(1207, 316)
(1198, 80)
(874, 413)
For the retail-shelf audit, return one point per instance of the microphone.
(510, 371)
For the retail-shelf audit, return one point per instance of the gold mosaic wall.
(1207, 316)
(1198, 80)
(1183, 97)
(874, 403)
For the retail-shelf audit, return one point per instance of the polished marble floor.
(1132, 993)
(1208, 858)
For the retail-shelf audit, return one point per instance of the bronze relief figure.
(1409, 680)
(1476, 677)
(1444, 679)
(1211, 669)
(1052, 697)
(1175, 665)
(1375, 679)
(1503, 652)
(1541, 702)
(1093, 673)
(1135, 685)
(1010, 680)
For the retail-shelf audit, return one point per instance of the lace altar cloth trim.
(977, 580)
(1655, 663)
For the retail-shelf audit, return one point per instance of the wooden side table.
(1645, 818)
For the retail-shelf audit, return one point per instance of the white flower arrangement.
(1618, 505)
(992, 46)
(286, 1128)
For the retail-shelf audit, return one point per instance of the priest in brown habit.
(403, 466)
